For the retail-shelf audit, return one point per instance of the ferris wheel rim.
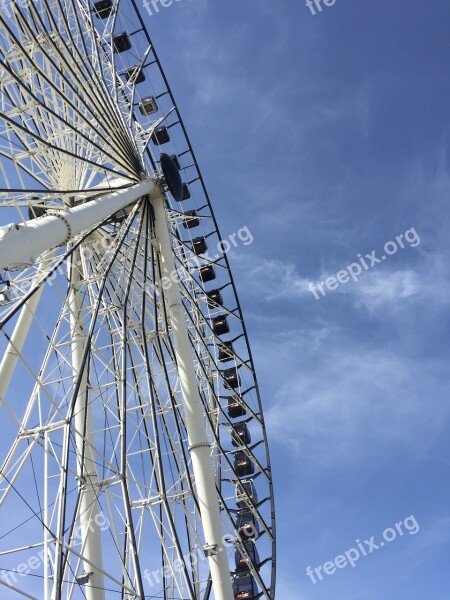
(266, 469)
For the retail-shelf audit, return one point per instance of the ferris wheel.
(133, 452)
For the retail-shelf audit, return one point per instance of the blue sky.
(327, 136)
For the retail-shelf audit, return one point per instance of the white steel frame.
(19, 245)
(68, 128)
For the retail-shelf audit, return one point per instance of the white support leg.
(17, 341)
(89, 510)
(200, 449)
(46, 560)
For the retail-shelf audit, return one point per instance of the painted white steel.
(89, 509)
(199, 445)
(23, 244)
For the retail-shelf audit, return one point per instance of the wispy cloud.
(384, 289)
(270, 279)
(334, 398)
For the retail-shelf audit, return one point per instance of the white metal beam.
(89, 509)
(23, 244)
(16, 342)
(199, 445)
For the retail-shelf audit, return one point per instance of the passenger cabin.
(240, 434)
(236, 407)
(241, 562)
(121, 42)
(148, 106)
(191, 220)
(214, 298)
(199, 246)
(161, 136)
(186, 192)
(176, 161)
(103, 9)
(220, 325)
(135, 74)
(243, 465)
(231, 378)
(207, 273)
(244, 588)
(5, 297)
(226, 351)
(34, 211)
(245, 492)
(247, 526)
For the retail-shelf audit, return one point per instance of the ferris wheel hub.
(23, 244)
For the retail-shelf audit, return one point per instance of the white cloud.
(333, 399)
(271, 279)
(381, 289)
(393, 290)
